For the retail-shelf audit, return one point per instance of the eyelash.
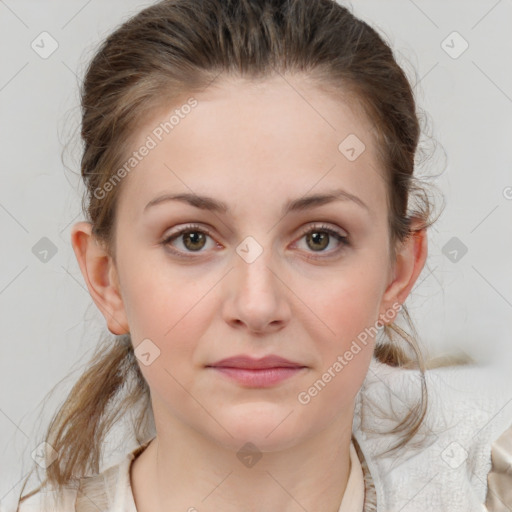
(194, 228)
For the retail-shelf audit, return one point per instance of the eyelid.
(167, 239)
(206, 230)
(343, 239)
(324, 227)
(186, 228)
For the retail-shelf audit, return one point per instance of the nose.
(256, 296)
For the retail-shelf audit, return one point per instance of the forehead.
(278, 137)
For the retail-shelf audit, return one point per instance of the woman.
(253, 230)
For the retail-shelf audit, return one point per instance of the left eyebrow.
(315, 200)
(300, 204)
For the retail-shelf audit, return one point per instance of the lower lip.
(261, 378)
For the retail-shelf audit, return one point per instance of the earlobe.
(410, 260)
(100, 276)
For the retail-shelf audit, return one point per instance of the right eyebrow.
(202, 202)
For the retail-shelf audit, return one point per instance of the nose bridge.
(258, 298)
(254, 263)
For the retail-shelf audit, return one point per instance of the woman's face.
(250, 280)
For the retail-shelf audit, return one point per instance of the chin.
(269, 429)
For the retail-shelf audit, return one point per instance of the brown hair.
(172, 49)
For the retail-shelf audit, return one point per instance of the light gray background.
(463, 305)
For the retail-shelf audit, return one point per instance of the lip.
(250, 363)
(257, 373)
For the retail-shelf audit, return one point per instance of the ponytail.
(111, 385)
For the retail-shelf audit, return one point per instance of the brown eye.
(194, 240)
(320, 237)
(317, 240)
(188, 240)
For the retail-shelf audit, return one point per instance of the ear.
(100, 276)
(410, 260)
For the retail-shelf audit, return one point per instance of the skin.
(253, 146)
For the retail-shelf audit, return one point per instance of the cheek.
(156, 294)
(172, 309)
(350, 308)
(351, 311)
(344, 339)
(346, 303)
(173, 317)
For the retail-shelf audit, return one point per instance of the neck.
(181, 469)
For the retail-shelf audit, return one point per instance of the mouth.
(258, 378)
(257, 373)
(251, 363)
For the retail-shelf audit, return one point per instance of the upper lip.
(243, 361)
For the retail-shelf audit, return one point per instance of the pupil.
(194, 236)
(319, 237)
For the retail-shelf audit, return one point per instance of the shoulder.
(105, 491)
(453, 394)
(47, 501)
(111, 489)
(447, 461)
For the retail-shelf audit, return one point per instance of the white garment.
(443, 468)
(353, 499)
(121, 496)
(469, 407)
(499, 479)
